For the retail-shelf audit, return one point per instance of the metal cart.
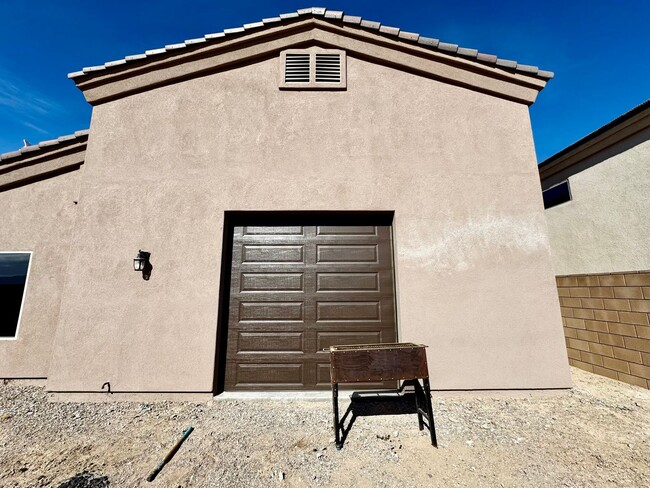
(405, 362)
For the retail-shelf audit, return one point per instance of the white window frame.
(312, 84)
(22, 303)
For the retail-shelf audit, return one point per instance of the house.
(597, 194)
(307, 180)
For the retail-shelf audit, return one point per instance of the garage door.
(298, 289)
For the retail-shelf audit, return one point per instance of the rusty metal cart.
(405, 362)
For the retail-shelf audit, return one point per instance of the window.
(557, 194)
(313, 68)
(14, 268)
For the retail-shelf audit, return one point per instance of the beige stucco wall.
(473, 270)
(606, 226)
(38, 217)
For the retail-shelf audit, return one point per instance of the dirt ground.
(597, 434)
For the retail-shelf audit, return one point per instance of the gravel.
(597, 434)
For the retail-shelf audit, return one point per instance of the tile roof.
(334, 16)
(79, 136)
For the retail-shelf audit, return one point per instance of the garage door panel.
(346, 230)
(298, 289)
(267, 374)
(287, 253)
(347, 282)
(367, 311)
(271, 311)
(272, 281)
(325, 339)
(270, 342)
(273, 230)
(347, 253)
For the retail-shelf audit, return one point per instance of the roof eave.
(41, 161)
(620, 128)
(384, 46)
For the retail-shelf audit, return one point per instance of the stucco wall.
(38, 217)
(473, 270)
(606, 226)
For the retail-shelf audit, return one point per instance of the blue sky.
(599, 50)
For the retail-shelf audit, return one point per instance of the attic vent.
(328, 68)
(313, 68)
(296, 68)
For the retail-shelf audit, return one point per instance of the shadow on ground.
(85, 480)
(369, 404)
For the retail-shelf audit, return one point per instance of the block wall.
(606, 321)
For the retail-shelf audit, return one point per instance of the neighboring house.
(303, 181)
(597, 194)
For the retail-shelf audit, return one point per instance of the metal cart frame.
(405, 362)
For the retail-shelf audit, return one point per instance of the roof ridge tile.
(351, 19)
(333, 16)
(428, 41)
(234, 30)
(253, 25)
(42, 145)
(154, 52)
(370, 24)
(409, 36)
(391, 31)
(135, 57)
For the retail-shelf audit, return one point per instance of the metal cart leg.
(335, 405)
(416, 386)
(432, 427)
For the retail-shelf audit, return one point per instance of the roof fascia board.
(106, 86)
(614, 135)
(42, 166)
(439, 66)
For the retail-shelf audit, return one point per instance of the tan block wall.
(606, 321)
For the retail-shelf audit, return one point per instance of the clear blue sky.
(599, 50)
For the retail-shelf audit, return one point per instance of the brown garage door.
(298, 289)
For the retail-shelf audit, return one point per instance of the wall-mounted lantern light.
(141, 263)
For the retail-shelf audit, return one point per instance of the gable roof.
(571, 158)
(43, 160)
(321, 21)
(79, 137)
(335, 16)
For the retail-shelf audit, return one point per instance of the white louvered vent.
(313, 68)
(296, 68)
(328, 68)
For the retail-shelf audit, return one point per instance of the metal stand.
(364, 363)
(337, 422)
(425, 393)
(420, 394)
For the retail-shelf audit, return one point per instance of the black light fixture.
(141, 261)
